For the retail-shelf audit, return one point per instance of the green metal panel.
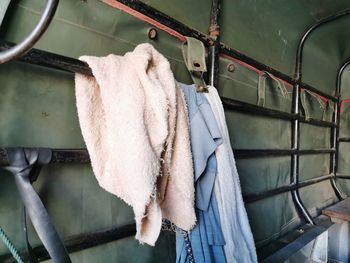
(38, 109)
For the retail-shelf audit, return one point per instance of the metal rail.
(343, 139)
(253, 153)
(335, 140)
(26, 44)
(66, 156)
(81, 155)
(81, 242)
(54, 61)
(48, 59)
(184, 30)
(296, 110)
(253, 197)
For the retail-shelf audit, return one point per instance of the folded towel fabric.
(134, 122)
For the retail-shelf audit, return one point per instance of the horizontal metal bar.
(342, 176)
(249, 198)
(293, 242)
(251, 153)
(58, 156)
(55, 61)
(236, 105)
(51, 60)
(165, 20)
(47, 59)
(317, 122)
(82, 241)
(70, 156)
(245, 107)
(316, 151)
(344, 139)
(82, 156)
(260, 66)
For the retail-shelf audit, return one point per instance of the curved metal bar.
(296, 110)
(335, 134)
(25, 45)
(299, 58)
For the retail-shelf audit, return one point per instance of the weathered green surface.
(37, 108)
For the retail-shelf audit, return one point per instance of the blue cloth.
(206, 238)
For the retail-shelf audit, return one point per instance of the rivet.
(152, 33)
(231, 67)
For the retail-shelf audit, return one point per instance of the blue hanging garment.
(207, 240)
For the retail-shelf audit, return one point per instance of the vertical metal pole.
(214, 33)
(296, 133)
(295, 156)
(335, 145)
(296, 110)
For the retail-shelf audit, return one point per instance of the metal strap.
(193, 52)
(261, 90)
(304, 104)
(262, 87)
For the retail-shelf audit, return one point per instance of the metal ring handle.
(26, 44)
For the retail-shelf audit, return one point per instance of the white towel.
(235, 226)
(134, 122)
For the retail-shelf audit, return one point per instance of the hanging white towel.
(239, 246)
(134, 121)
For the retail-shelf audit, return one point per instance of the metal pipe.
(316, 122)
(82, 241)
(58, 156)
(249, 198)
(296, 109)
(187, 31)
(294, 180)
(343, 176)
(51, 60)
(237, 105)
(184, 30)
(335, 140)
(253, 153)
(82, 156)
(25, 45)
(344, 140)
(214, 49)
(306, 35)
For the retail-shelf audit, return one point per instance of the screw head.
(152, 33)
(231, 67)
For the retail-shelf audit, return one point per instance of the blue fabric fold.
(205, 138)
(206, 238)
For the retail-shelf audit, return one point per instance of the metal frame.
(82, 241)
(47, 59)
(296, 123)
(336, 140)
(26, 44)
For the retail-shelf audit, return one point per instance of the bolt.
(152, 33)
(231, 67)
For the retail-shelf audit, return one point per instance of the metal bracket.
(194, 52)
